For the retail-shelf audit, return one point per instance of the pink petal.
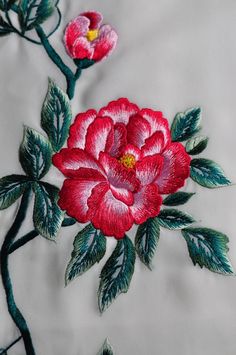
(120, 110)
(105, 43)
(119, 139)
(109, 214)
(117, 175)
(176, 169)
(157, 123)
(76, 28)
(138, 130)
(122, 195)
(78, 129)
(73, 198)
(154, 144)
(131, 149)
(100, 136)
(148, 169)
(94, 17)
(147, 204)
(82, 49)
(76, 163)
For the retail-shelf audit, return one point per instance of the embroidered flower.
(117, 164)
(85, 38)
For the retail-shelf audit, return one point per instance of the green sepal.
(117, 273)
(208, 247)
(11, 188)
(177, 199)
(207, 173)
(33, 13)
(174, 219)
(186, 124)
(106, 349)
(196, 145)
(89, 248)
(47, 216)
(35, 154)
(56, 116)
(146, 240)
(84, 63)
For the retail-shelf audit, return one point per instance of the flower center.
(128, 160)
(92, 35)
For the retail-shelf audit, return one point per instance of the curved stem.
(6, 279)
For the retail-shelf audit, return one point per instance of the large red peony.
(117, 164)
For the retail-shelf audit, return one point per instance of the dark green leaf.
(5, 29)
(3, 352)
(89, 248)
(179, 198)
(174, 219)
(34, 12)
(196, 145)
(35, 154)
(106, 349)
(186, 124)
(56, 116)
(146, 240)
(207, 173)
(117, 273)
(11, 188)
(47, 215)
(208, 248)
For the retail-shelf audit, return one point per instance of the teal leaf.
(178, 198)
(89, 248)
(207, 173)
(34, 12)
(196, 145)
(146, 240)
(116, 273)
(56, 116)
(35, 154)
(186, 124)
(174, 219)
(11, 188)
(5, 29)
(47, 215)
(208, 247)
(106, 349)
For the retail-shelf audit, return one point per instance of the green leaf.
(47, 216)
(207, 173)
(117, 273)
(196, 145)
(186, 124)
(56, 116)
(35, 154)
(178, 198)
(5, 29)
(208, 247)
(106, 349)
(174, 219)
(89, 248)
(146, 240)
(34, 12)
(11, 188)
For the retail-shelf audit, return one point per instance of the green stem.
(6, 279)
(4, 351)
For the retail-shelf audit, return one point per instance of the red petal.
(94, 17)
(78, 129)
(100, 136)
(154, 144)
(122, 195)
(157, 123)
(82, 49)
(131, 149)
(138, 130)
(109, 214)
(147, 204)
(120, 110)
(117, 175)
(105, 43)
(176, 169)
(76, 163)
(76, 28)
(73, 198)
(120, 140)
(148, 169)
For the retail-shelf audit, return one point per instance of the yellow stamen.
(92, 35)
(128, 160)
